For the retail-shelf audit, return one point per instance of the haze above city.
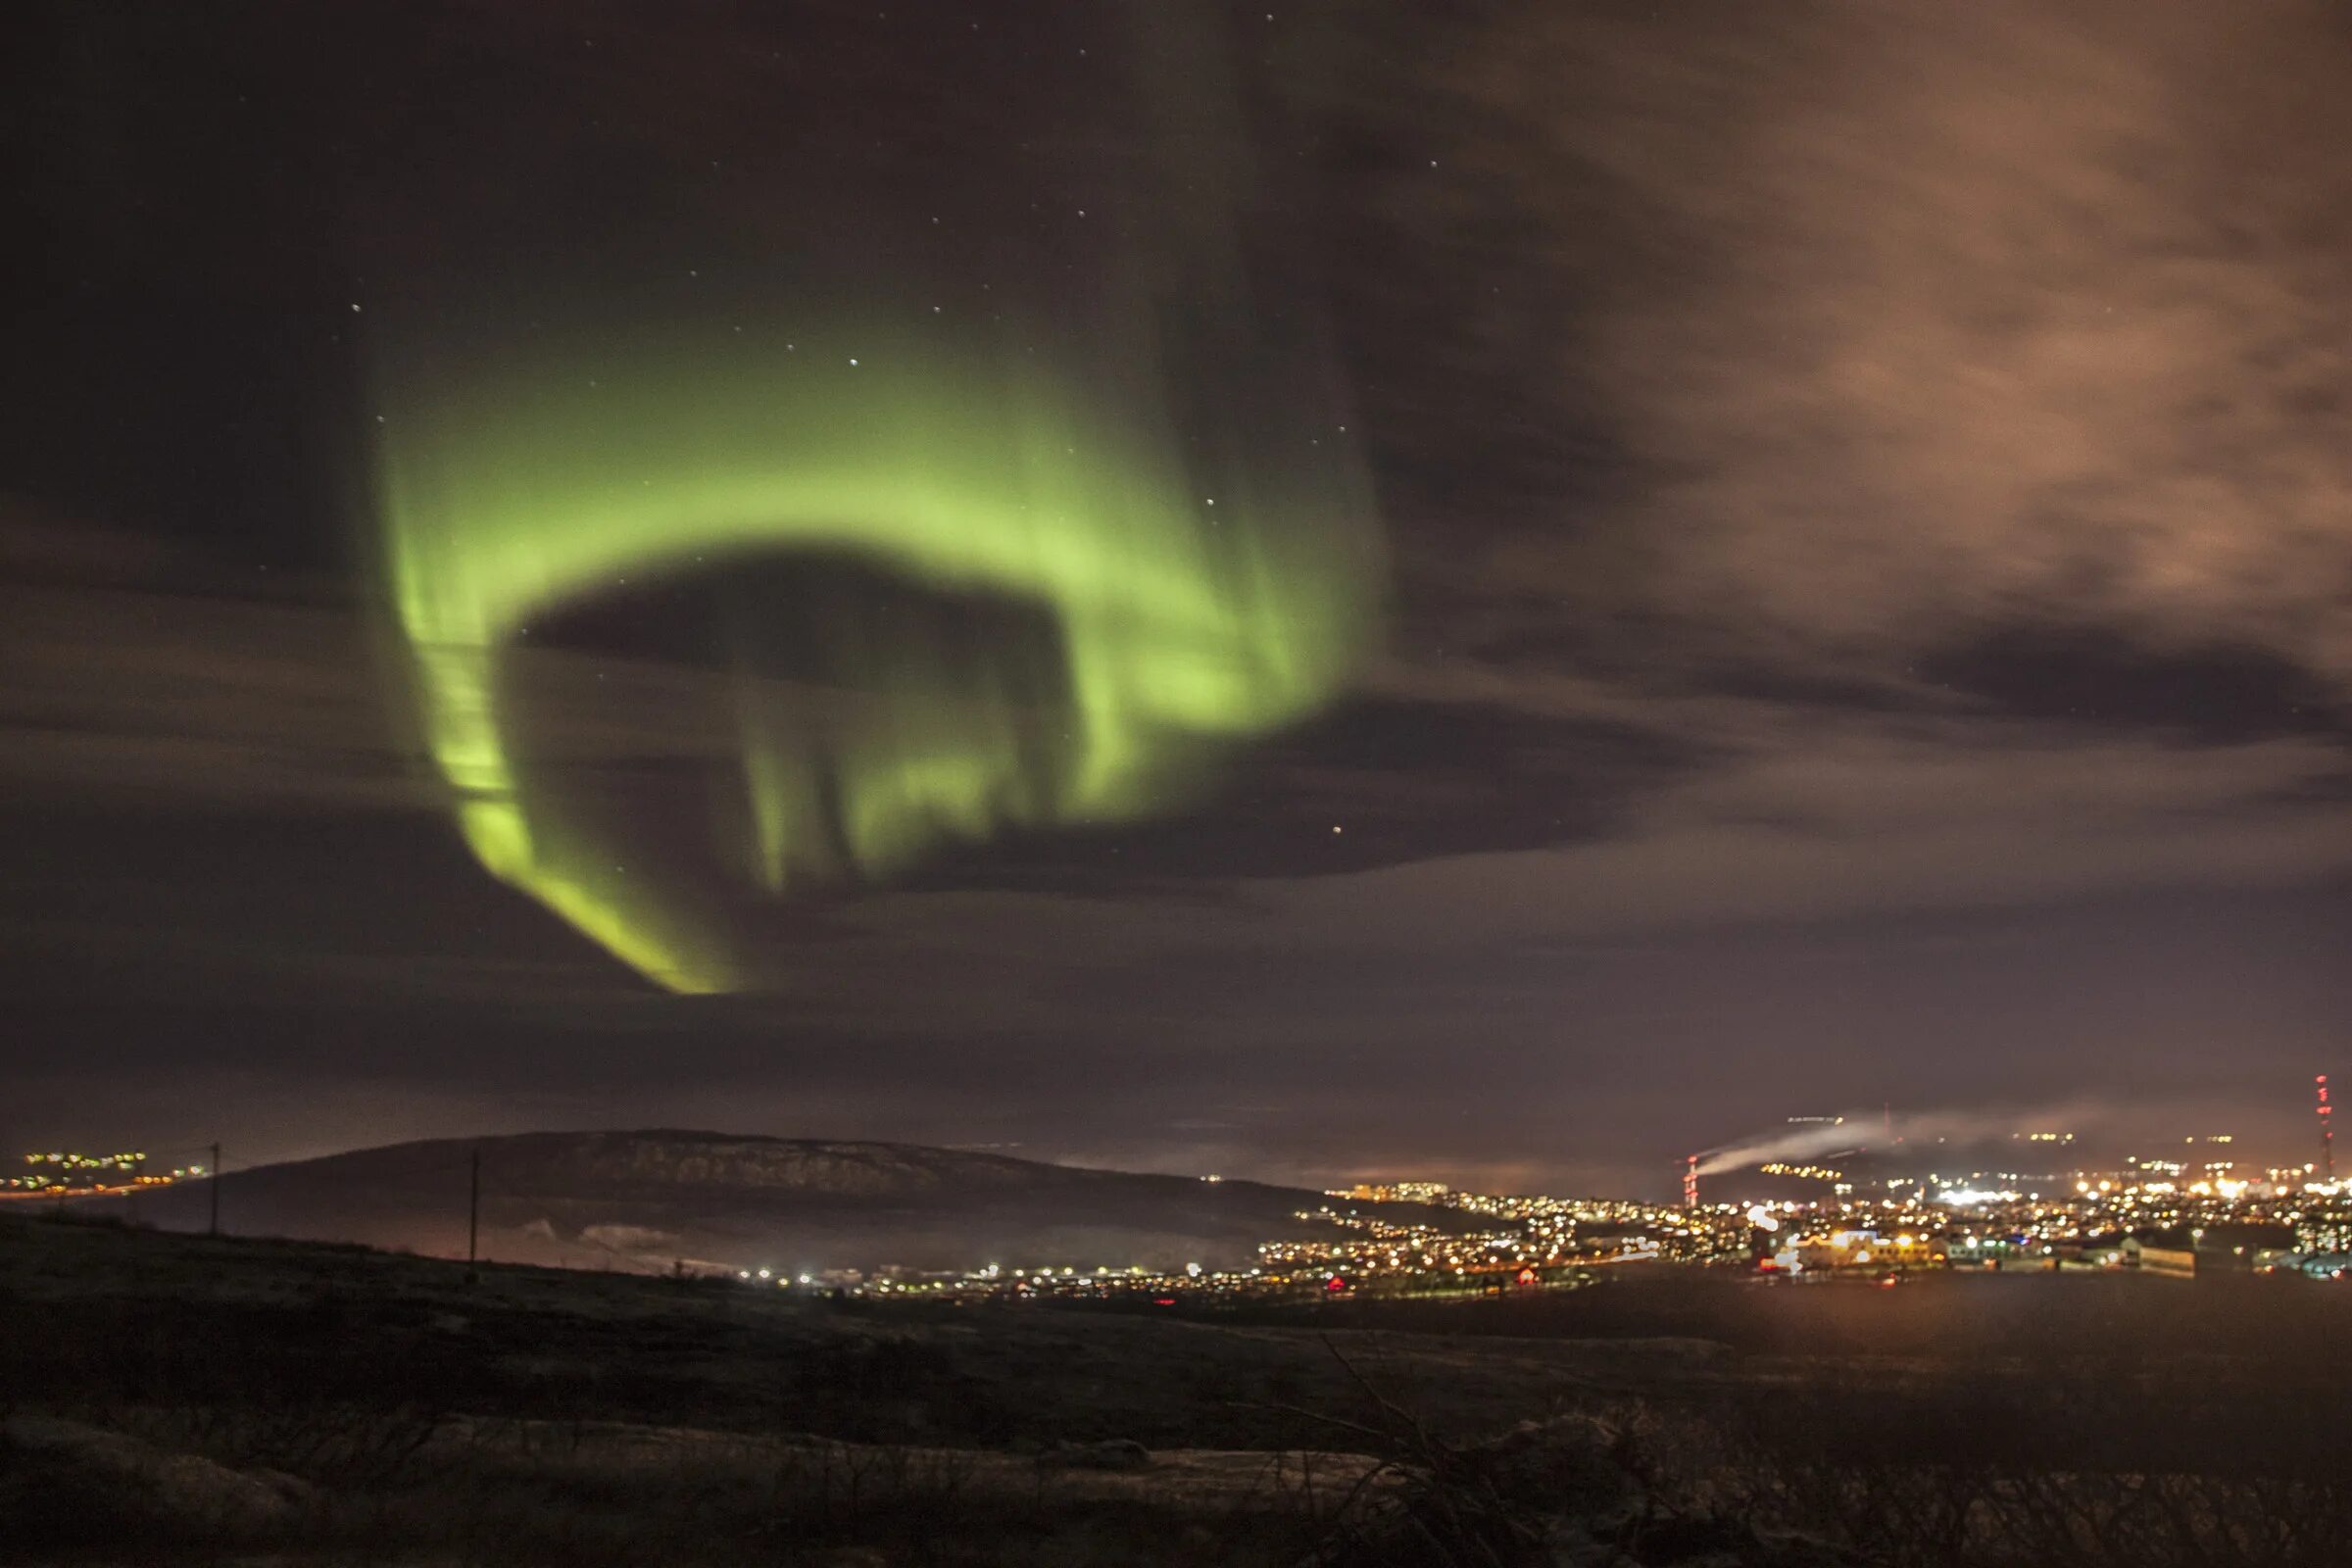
(1687, 577)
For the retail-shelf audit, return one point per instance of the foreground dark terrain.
(172, 1399)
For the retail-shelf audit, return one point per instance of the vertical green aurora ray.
(548, 481)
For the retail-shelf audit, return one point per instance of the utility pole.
(473, 1208)
(212, 1226)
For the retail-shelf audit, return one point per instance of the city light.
(2159, 1215)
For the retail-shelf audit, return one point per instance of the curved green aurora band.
(1197, 600)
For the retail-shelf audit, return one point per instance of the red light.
(1526, 1276)
(1164, 1300)
(1335, 1283)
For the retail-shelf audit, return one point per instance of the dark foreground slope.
(648, 1199)
(184, 1400)
(179, 1399)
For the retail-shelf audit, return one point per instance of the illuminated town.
(1880, 1213)
(62, 1175)
(1348, 1246)
(2196, 1213)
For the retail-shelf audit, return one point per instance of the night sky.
(1773, 560)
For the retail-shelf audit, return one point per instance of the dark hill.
(646, 1199)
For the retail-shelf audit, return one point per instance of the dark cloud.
(2091, 677)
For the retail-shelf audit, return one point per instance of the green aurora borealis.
(1207, 582)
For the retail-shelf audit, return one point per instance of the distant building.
(2172, 1263)
(2231, 1247)
(2091, 1252)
